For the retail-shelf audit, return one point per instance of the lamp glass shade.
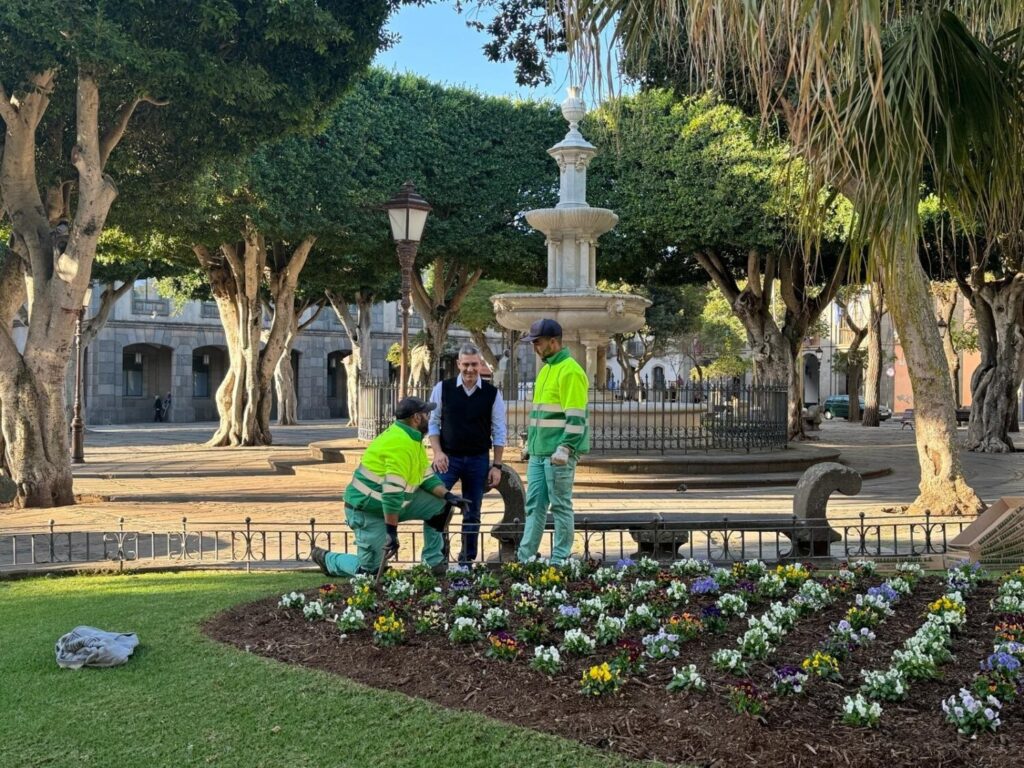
(87, 298)
(819, 353)
(407, 223)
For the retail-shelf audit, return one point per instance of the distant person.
(167, 407)
(558, 434)
(467, 424)
(158, 409)
(393, 483)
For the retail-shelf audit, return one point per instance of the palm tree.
(878, 97)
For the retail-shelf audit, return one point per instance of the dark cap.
(545, 328)
(410, 406)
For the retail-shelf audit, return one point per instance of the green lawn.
(183, 700)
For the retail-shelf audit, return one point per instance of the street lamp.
(407, 212)
(943, 329)
(819, 353)
(77, 427)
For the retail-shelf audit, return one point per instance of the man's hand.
(440, 461)
(560, 457)
(391, 542)
(493, 477)
(456, 501)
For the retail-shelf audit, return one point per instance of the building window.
(131, 363)
(659, 377)
(414, 319)
(209, 309)
(200, 375)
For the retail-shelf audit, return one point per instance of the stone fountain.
(588, 317)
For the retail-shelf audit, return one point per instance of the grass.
(183, 700)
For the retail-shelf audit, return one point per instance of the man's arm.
(572, 396)
(499, 433)
(440, 463)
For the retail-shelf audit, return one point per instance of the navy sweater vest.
(466, 419)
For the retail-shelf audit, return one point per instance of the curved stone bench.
(661, 535)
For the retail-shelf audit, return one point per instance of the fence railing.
(246, 544)
(691, 417)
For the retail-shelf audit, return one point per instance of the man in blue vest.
(468, 422)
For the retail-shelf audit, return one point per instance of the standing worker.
(392, 483)
(469, 420)
(558, 435)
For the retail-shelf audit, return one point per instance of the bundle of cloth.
(91, 647)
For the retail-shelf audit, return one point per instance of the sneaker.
(319, 556)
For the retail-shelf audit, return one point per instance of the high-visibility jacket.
(559, 413)
(394, 466)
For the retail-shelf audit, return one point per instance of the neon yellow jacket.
(394, 466)
(559, 413)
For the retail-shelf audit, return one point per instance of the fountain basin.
(581, 315)
(583, 221)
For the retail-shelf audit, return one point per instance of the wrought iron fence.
(686, 417)
(245, 544)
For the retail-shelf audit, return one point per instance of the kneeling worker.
(394, 482)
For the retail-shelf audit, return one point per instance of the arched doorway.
(337, 384)
(209, 366)
(145, 377)
(812, 379)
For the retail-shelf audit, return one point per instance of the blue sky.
(436, 44)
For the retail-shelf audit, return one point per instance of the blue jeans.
(471, 471)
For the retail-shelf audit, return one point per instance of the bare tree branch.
(124, 114)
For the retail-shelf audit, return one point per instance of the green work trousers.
(548, 487)
(371, 535)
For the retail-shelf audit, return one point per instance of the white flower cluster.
(351, 619)
(464, 629)
(640, 616)
(867, 567)
(292, 600)
(812, 596)
(313, 611)
(1009, 598)
(755, 643)
(573, 568)
(972, 715)
(686, 679)
(661, 645)
(846, 576)
(732, 604)
(642, 588)
(467, 607)
(607, 575)
(875, 601)
(771, 585)
(360, 580)
(911, 571)
(577, 641)
(591, 607)
(555, 596)
(677, 591)
(857, 710)
(547, 659)
(495, 618)
(899, 584)
(729, 660)
(608, 629)
(400, 589)
(646, 566)
(884, 685)
(522, 589)
(756, 569)
(690, 566)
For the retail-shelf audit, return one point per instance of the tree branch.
(110, 297)
(123, 115)
(312, 318)
(712, 264)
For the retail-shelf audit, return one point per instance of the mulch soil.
(644, 721)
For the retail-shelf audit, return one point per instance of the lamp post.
(407, 213)
(77, 426)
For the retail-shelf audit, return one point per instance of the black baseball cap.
(546, 328)
(410, 406)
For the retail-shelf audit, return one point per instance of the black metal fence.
(277, 545)
(689, 417)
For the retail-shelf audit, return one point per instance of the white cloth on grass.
(91, 647)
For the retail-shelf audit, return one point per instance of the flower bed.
(662, 662)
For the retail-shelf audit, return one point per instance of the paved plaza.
(153, 475)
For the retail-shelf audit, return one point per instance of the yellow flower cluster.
(387, 624)
(944, 604)
(601, 673)
(491, 596)
(822, 664)
(793, 573)
(546, 578)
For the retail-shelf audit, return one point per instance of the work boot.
(319, 556)
(440, 569)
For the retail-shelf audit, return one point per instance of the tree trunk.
(480, 340)
(440, 305)
(873, 385)
(244, 397)
(943, 488)
(630, 380)
(997, 308)
(56, 258)
(358, 365)
(946, 297)
(284, 383)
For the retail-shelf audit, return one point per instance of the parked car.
(839, 405)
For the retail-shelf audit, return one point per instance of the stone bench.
(661, 535)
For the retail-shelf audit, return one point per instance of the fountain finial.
(573, 108)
